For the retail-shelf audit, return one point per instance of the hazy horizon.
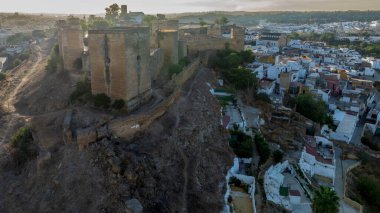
(183, 6)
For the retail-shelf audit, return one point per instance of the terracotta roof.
(294, 193)
(311, 149)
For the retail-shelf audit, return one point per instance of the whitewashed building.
(318, 157)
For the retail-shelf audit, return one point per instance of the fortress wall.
(186, 74)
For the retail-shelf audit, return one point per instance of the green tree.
(112, 12)
(21, 141)
(369, 189)
(82, 92)
(263, 148)
(2, 76)
(17, 62)
(311, 107)
(202, 22)
(325, 201)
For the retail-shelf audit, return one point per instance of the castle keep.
(119, 62)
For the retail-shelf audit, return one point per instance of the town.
(183, 113)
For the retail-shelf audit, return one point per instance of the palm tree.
(325, 201)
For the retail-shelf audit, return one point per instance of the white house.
(346, 127)
(318, 157)
(369, 71)
(375, 64)
(273, 72)
(267, 86)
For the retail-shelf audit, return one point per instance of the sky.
(179, 6)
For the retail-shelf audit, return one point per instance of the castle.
(122, 61)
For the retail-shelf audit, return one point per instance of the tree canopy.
(311, 107)
(112, 12)
(325, 201)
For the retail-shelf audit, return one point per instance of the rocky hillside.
(178, 165)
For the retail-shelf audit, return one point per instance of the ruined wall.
(156, 62)
(70, 41)
(168, 41)
(127, 128)
(119, 63)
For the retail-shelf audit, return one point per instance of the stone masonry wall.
(156, 62)
(168, 41)
(120, 62)
(70, 41)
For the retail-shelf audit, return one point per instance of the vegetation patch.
(263, 148)
(102, 101)
(82, 92)
(241, 144)
(2, 76)
(24, 149)
(55, 61)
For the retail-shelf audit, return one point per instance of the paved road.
(341, 167)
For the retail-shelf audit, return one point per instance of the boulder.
(134, 206)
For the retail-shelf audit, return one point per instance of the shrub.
(82, 92)
(21, 141)
(263, 97)
(2, 76)
(118, 104)
(23, 56)
(55, 60)
(369, 189)
(17, 62)
(102, 101)
(277, 156)
(263, 148)
(372, 145)
(174, 69)
(184, 62)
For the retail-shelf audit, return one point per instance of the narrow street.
(341, 168)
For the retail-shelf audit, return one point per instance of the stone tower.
(119, 63)
(237, 36)
(168, 41)
(70, 41)
(157, 26)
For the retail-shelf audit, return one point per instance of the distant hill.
(252, 18)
